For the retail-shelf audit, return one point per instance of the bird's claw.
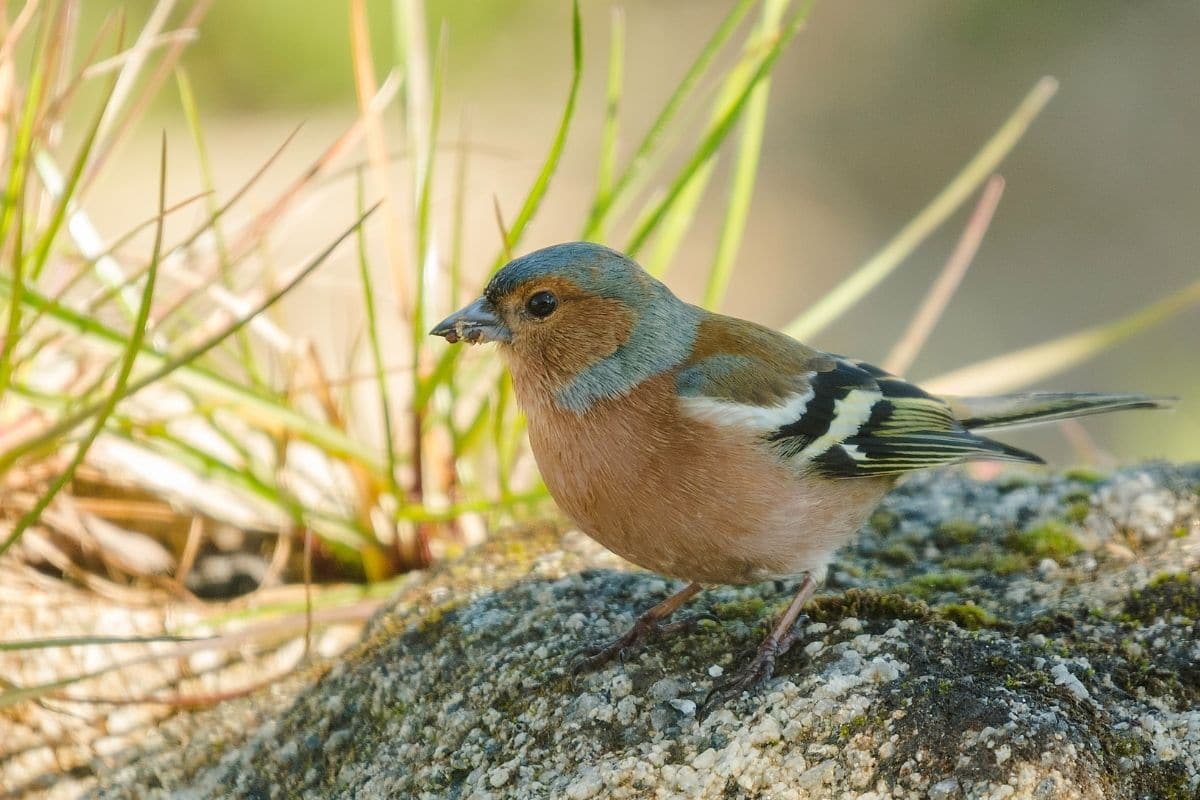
(595, 656)
(757, 672)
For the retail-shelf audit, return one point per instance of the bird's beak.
(477, 323)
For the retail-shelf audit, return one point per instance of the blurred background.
(873, 108)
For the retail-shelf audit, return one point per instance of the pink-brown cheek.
(587, 332)
(595, 331)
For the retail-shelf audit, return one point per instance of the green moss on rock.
(967, 615)
(990, 560)
(898, 555)
(748, 609)
(1078, 511)
(1085, 475)
(954, 532)
(1167, 595)
(1012, 481)
(866, 604)
(1049, 540)
(925, 586)
(884, 521)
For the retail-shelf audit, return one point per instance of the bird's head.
(587, 320)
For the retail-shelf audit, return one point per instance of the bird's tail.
(1009, 410)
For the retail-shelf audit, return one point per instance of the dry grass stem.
(942, 291)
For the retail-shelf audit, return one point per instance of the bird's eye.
(541, 304)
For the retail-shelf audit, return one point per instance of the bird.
(713, 449)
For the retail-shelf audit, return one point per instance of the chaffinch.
(710, 448)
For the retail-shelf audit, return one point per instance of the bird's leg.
(650, 623)
(778, 641)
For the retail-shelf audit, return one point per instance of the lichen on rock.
(1019, 648)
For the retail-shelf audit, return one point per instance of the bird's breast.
(685, 498)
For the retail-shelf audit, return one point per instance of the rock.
(971, 669)
(944, 790)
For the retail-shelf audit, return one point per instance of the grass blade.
(537, 191)
(83, 641)
(320, 168)
(715, 136)
(426, 255)
(191, 115)
(612, 106)
(371, 114)
(62, 207)
(109, 404)
(128, 76)
(745, 170)
(14, 206)
(457, 236)
(922, 324)
(241, 192)
(170, 365)
(1031, 364)
(112, 136)
(17, 295)
(381, 378)
(605, 204)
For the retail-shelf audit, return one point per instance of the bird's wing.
(904, 428)
(825, 413)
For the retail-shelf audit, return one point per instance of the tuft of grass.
(120, 385)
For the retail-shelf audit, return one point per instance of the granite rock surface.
(1035, 636)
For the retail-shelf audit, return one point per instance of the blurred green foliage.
(283, 54)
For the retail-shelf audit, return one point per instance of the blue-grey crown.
(592, 267)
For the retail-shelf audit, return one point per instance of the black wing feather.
(906, 428)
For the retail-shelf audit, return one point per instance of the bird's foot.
(757, 672)
(645, 628)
